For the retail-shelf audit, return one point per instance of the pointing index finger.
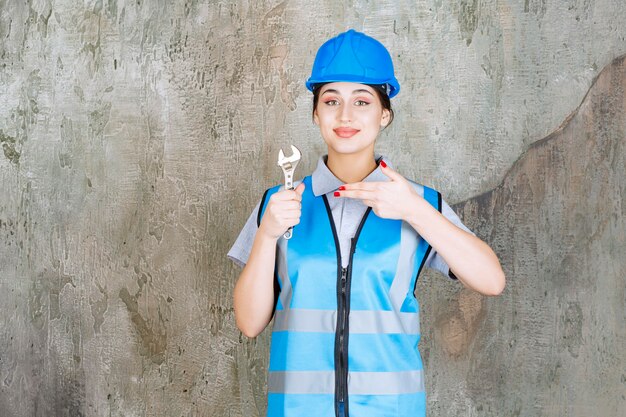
(358, 186)
(361, 194)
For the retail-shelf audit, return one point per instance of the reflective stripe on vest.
(368, 383)
(345, 341)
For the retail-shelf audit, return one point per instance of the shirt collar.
(324, 181)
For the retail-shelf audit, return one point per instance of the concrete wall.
(137, 136)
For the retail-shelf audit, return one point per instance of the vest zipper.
(344, 276)
(342, 348)
(344, 312)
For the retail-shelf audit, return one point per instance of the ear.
(384, 120)
(316, 118)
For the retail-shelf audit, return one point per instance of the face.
(350, 117)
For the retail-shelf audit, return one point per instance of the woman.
(341, 290)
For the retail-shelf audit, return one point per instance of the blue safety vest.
(344, 340)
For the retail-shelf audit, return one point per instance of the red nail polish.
(336, 193)
(342, 188)
(383, 164)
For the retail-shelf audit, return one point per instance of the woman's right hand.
(282, 212)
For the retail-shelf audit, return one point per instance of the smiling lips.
(345, 132)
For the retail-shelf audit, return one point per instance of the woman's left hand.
(474, 263)
(393, 199)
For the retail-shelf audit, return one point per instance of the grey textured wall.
(137, 136)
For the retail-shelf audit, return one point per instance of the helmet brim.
(394, 85)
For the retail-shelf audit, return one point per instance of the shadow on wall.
(557, 222)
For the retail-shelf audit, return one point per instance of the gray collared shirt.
(347, 213)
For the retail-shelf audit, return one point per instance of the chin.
(347, 146)
(347, 150)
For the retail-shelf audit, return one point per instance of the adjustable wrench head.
(293, 159)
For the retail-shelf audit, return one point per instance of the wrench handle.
(288, 186)
(288, 170)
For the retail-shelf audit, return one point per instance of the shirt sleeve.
(436, 261)
(240, 251)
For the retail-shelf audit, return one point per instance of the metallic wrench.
(288, 164)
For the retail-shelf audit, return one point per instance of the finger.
(291, 223)
(291, 216)
(390, 172)
(287, 195)
(282, 210)
(281, 195)
(300, 189)
(370, 186)
(360, 194)
(291, 205)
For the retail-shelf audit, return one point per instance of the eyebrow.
(360, 90)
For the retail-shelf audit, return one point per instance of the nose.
(345, 115)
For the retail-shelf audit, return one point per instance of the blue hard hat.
(354, 57)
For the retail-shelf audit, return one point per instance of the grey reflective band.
(303, 320)
(361, 321)
(285, 290)
(381, 383)
(405, 266)
(359, 383)
(301, 382)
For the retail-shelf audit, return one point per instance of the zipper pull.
(342, 409)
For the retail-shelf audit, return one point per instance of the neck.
(351, 168)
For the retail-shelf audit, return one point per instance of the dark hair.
(381, 92)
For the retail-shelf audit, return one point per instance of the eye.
(331, 102)
(361, 103)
